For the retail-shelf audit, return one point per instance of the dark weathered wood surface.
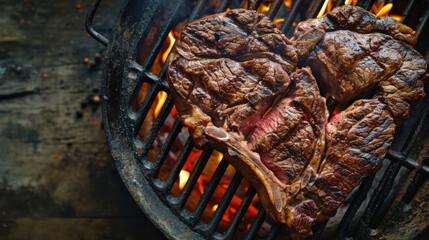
(57, 179)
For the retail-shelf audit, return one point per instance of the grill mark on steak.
(292, 127)
(358, 138)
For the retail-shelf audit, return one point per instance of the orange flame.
(323, 9)
(217, 156)
(172, 40)
(264, 7)
(161, 97)
(396, 17)
(384, 11)
(287, 3)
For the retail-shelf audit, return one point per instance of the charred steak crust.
(357, 140)
(231, 66)
(235, 84)
(352, 50)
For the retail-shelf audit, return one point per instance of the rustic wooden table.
(57, 179)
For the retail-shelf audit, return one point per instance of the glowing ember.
(215, 207)
(172, 40)
(336, 111)
(183, 178)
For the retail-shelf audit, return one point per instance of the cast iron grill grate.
(123, 77)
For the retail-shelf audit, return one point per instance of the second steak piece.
(351, 51)
(357, 140)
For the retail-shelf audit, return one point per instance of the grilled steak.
(357, 140)
(292, 133)
(230, 77)
(233, 79)
(229, 68)
(352, 50)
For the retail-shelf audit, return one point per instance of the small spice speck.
(96, 99)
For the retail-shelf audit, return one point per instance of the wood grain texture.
(57, 179)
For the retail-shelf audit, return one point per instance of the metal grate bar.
(256, 225)
(318, 229)
(315, 8)
(148, 77)
(423, 22)
(245, 203)
(256, 4)
(360, 197)
(174, 174)
(418, 180)
(136, 76)
(416, 131)
(144, 108)
(198, 9)
(208, 191)
(383, 203)
(157, 124)
(407, 162)
(291, 16)
(275, 229)
(224, 203)
(366, 4)
(180, 201)
(381, 192)
(274, 9)
(407, 10)
(223, 6)
(153, 79)
(165, 148)
(165, 29)
(339, 3)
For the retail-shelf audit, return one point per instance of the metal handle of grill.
(88, 24)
